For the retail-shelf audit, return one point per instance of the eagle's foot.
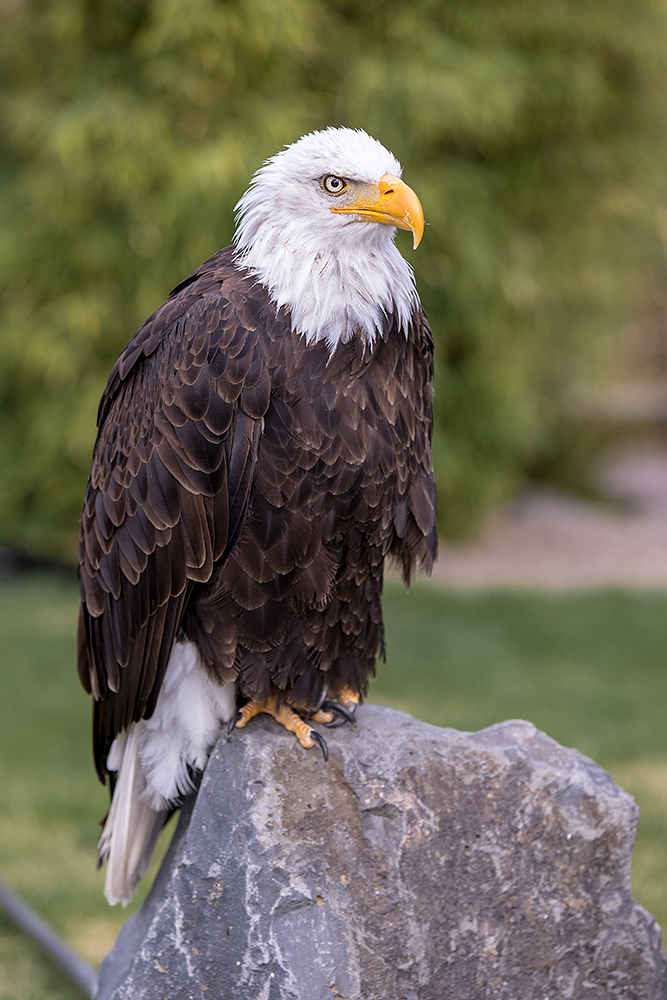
(332, 713)
(337, 714)
(287, 718)
(342, 710)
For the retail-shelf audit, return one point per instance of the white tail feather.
(131, 828)
(152, 758)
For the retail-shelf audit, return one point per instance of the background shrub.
(129, 128)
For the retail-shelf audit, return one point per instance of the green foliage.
(129, 128)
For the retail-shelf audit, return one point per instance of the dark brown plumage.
(245, 490)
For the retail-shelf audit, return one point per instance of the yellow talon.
(324, 717)
(253, 708)
(295, 724)
(287, 718)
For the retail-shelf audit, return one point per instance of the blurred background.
(536, 137)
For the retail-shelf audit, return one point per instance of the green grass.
(589, 669)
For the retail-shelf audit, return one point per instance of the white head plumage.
(336, 270)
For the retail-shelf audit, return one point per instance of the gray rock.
(417, 864)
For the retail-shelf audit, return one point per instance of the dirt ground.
(554, 541)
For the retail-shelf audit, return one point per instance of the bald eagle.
(263, 447)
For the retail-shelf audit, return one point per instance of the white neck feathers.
(332, 294)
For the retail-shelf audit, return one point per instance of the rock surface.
(417, 864)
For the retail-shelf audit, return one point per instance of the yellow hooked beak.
(393, 203)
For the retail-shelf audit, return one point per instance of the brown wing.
(414, 516)
(179, 425)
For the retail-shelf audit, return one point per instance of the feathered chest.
(346, 431)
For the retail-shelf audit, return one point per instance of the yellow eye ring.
(333, 184)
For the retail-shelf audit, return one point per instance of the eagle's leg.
(287, 718)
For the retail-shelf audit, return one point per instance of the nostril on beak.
(389, 185)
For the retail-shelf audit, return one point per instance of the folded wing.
(179, 426)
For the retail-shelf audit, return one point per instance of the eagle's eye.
(333, 184)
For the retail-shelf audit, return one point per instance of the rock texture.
(417, 864)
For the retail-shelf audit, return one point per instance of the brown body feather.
(246, 489)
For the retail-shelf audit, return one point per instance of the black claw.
(335, 723)
(344, 714)
(232, 723)
(323, 746)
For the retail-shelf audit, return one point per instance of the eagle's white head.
(317, 225)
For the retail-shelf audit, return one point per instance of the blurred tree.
(130, 128)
